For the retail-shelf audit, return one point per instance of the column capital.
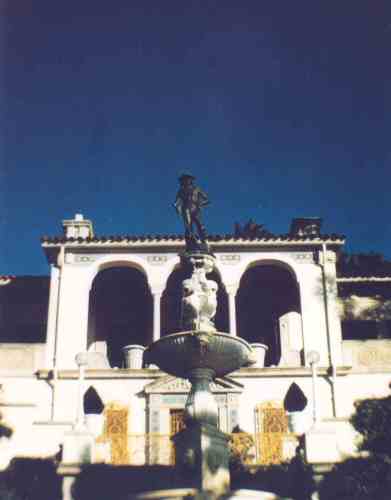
(156, 288)
(231, 288)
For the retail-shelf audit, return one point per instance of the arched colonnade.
(74, 283)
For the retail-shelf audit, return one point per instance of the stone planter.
(94, 423)
(299, 422)
(260, 353)
(133, 355)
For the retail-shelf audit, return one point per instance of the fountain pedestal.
(202, 457)
(201, 449)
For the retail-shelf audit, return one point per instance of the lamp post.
(81, 361)
(313, 359)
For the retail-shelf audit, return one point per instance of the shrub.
(365, 478)
(358, 479)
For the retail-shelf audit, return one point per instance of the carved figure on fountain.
(199, 299)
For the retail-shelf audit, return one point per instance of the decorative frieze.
(229, 258)
(157, 260)
(72, 258)
(303, 257)
(170, 384)
(177, 384)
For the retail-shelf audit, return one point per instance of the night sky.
(281, 109)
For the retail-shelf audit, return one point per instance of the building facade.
(319, 323)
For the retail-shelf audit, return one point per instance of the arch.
(111, 261)
(284, 263)
(221, 319)
(120, 310)
(267, 303)
(171, 302)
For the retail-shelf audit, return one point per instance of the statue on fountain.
(190, 199)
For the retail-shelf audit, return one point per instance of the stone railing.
(367, 353)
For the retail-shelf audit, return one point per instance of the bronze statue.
(188, 203)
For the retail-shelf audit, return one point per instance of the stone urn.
(260, 354)
(133, 356)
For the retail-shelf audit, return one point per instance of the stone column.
(52, 317)
(231, 292)
(157, 296)
(156, 315)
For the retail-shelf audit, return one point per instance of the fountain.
(199, 354)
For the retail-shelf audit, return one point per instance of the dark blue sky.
(280, 108)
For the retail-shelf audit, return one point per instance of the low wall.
(21, 358)
(367, 353)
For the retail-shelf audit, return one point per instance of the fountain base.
(202, 456)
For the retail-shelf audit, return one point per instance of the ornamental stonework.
(229, 259)
(157, 260)
(273, 427)
(178, 384)
(72, 258)
(303, 257)
(116, 432)
(171, 384)
(374, 356)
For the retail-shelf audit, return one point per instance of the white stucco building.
(285, 292)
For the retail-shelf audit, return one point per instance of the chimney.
(78, 227)
(306, 226)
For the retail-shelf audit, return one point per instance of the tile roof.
(179, 239)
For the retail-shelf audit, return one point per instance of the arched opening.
(120, 312)
(295, 399)
(222, 314)
(268, 306)
(92, 402)
(172, 302)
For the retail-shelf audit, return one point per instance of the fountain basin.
(180, 353)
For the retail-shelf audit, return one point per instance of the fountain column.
(200, 354)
